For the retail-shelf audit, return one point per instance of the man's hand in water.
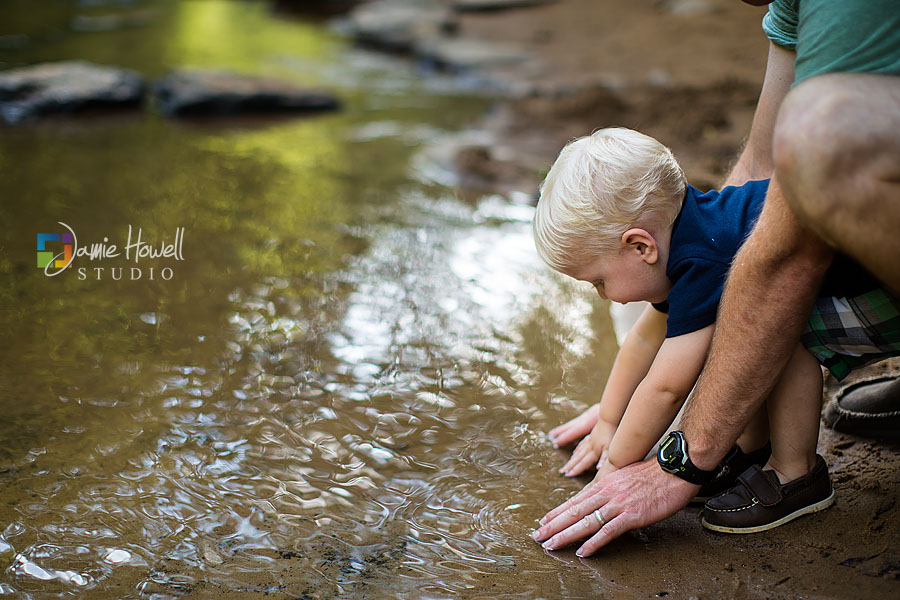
(638, 495)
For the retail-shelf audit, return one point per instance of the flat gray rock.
(398, 26)
(203, 92)
(492, 5)
(65, 87)
(456, 54)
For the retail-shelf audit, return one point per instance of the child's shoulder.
(720, 220)
(749, 192)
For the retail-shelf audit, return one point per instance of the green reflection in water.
(245, 38)
(153, 37)
(244, 210)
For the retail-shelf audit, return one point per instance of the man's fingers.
(558, 519)
(577, 498)
(610, 531)
(550, 516)
(587, 491)
(583, 527)
(569, 512)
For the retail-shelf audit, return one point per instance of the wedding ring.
(600, 518)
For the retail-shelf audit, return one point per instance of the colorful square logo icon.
(45, 256)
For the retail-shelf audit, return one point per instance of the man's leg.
(837, 155)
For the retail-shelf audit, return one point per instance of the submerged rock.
(66, 87)
(315, 7)
(196, 92)
(397, 26)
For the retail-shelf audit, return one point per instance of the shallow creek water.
(340, 391)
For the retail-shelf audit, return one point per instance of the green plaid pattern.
(847, 333)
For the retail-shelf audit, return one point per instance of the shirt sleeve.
(694, 298)
(780, 23)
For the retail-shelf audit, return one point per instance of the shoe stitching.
(783, 520)
(863, 415)
(753, 503)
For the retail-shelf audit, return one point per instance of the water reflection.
(341, 392)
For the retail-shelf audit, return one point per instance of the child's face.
(625, 276)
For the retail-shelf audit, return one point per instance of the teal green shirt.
(837, 36)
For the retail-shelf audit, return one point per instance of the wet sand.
(688, 73)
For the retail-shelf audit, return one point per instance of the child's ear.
(641, 241)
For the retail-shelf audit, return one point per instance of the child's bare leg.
(794, 408)
(758, 503)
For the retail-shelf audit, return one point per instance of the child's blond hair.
(600, 186)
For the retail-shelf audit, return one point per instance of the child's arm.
(659, 397)
(632, 363)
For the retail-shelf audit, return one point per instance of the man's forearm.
(770, 290)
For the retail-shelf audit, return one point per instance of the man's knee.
(829, 131)
(816, 127)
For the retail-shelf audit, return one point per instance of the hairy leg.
(837, 158)
(794, 408)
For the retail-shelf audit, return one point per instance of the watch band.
(673, 458)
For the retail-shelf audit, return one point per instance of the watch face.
(671, 454)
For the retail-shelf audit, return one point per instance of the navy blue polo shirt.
(707, 234)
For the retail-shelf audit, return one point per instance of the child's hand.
(604, 467)
(575, 429)
(591, 450)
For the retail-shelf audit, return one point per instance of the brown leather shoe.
(870, 408)
(736, 462)
(759, 502)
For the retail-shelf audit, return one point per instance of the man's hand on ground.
(636, 496)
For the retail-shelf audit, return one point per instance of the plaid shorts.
(846, 333)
